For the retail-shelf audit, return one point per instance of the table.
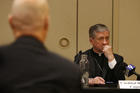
(109, 90)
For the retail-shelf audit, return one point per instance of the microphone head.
(130, 70)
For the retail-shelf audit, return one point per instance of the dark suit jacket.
(29, 67)
(110, 75)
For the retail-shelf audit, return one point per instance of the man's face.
(99, 41)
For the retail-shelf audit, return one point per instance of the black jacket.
(102, 69)
(29, 67)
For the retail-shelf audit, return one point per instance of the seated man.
(104, 65)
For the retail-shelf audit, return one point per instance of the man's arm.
(116, 64)
(120, 68)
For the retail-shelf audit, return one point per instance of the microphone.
(130, 70)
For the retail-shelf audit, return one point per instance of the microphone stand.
(138, 75)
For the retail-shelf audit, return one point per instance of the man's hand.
(96, 80)
(108, 52)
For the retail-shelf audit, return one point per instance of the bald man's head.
(29, 14)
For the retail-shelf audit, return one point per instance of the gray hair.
(29, 14)
(97, 28)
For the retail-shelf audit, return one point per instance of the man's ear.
(10, 19)
(91, 40)
(46, 23)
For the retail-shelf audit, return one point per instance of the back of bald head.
(29, 14)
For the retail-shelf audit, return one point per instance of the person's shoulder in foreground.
(57, 73)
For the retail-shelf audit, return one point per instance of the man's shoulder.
(4, 48)
(117, 55)
(64, 66)
(78, 55)
(58, 58)
(87, 52)
(3, 52)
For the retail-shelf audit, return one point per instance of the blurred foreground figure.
(26, 65)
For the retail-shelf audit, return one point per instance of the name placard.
(129, 84)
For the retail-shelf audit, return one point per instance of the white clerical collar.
(100, 54)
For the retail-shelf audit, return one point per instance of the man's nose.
(105, 42)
